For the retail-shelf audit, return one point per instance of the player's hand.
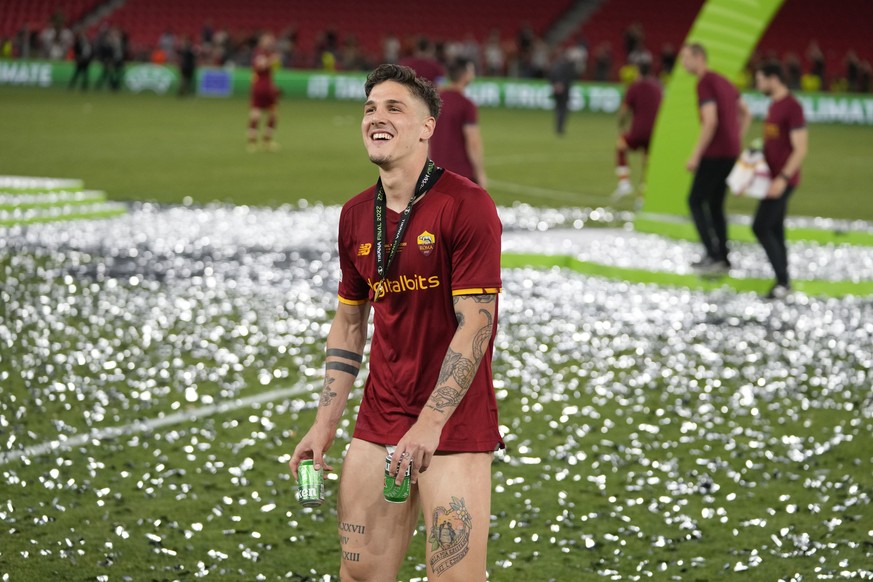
(777, 187)
(313, 446)
(417, 446)
(692, 164)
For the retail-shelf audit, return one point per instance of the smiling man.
(422, 249)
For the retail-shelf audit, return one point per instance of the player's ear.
(428, 127)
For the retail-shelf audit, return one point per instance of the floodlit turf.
(147, 147)
(610, 472)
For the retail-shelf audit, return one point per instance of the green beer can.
(310, 484)
(394, 493)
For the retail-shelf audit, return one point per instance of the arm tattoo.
(327, 395)
(444, 397)
(448, 365)
(483, 336)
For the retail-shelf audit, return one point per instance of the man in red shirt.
(785, 146)
(456, 144)
(641, 102)
(724, 119)
(424, 63)
(422, 248)
(264, 93)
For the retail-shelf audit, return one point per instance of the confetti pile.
(156, 370)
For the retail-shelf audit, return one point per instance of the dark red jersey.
(448, 146)
(712, 87)
(425, 67)
(783, 117)
(643, 98)
(451, 247)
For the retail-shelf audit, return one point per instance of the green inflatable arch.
(729, 29)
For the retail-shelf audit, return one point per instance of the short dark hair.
(418, 86)
(457, 67)
(698, 49)
(772, 69)
(645, 68)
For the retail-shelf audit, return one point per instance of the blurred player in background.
(456, 144)
(640, 104)
(424, 62)
(785, 146)
(429, 390)
(724, 119)
(264, 94)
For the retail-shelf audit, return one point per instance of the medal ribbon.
(428, 177)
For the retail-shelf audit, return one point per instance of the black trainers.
(710, 266)
(779, 291)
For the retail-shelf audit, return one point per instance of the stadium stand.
(35, 14)
(146, 20)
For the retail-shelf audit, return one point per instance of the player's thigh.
(374, 534)
(456, 501)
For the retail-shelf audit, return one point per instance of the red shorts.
(264, 97)
(636, 141)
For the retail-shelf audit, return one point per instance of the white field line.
(64, 443)
(574, 197)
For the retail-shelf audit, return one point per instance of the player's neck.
(399, 182)
(779, 93)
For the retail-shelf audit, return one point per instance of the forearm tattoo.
(459, 368)
(327, 395)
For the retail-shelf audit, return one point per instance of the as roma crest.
(426, 243)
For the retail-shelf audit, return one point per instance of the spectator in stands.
(424, 62)
(865, 76)
(853, 70)
(390, 48)
(640, 103)
(470, 50)
(793, 71)
(816, 59)
(286, 45)
(83, 53)
(264, 94)
(495, 59)
(603, 62)
(456, 143)
(6, 48)
(56, 40)
(539, 59)
(724, 119)
(633, 39)
(564, 71)
(187, 66)
(206, 34)
(785, 146)
(351, 56)
(167, 45)
(668, 58)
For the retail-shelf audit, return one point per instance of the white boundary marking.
(64, 443)
(513, 188)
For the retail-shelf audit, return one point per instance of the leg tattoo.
(450, 535)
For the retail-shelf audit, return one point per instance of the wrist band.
(785, 176)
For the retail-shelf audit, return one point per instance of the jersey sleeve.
(353, 288)
(795, 116)
(705, 91)
(476, 246)
(631, 96)
(471, 115)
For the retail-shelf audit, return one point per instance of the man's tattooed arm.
(475, 315)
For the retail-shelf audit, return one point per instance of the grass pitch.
(630, 456)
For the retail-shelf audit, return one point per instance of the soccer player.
(724, 119)
(422, 249)
(264, 94)
(785, 147)
(640, 103)
(456, 144)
